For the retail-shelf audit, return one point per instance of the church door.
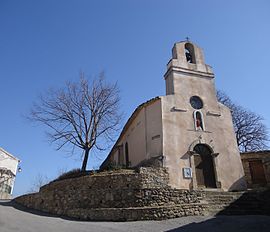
(204, 167)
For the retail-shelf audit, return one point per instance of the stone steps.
(235, 203)
(235, 212)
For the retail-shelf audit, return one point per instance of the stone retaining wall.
(123, 195)
(137, 213)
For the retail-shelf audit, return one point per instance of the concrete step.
(241, 212)
(235, 203)
(237, 212)
(222, 197)
(221, 193)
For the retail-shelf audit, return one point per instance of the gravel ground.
(16, 218)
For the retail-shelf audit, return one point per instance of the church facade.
(187, 130)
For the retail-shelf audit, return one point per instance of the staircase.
(237, 203)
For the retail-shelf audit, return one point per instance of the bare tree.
(251, 133)
(39, 181)
(84, 114)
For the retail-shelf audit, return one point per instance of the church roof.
(129, 121)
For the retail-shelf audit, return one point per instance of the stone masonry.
(142, 194)
(120, 195)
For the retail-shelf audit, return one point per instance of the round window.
(196, 102)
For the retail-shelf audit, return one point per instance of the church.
(186, 131)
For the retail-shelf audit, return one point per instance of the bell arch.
(190, 54)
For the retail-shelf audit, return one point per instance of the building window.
(120, 154)
(126, 155)
(196, 102)
(198, 121)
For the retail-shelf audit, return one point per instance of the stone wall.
(119, 195)
(143, 194)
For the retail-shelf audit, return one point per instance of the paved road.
(15, 218)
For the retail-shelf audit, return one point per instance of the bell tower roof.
(188, 57)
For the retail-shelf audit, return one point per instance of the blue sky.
(43, 44)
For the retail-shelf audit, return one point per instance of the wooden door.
(204, 168)
(257, 172)
(199, 170)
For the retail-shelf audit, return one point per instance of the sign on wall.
(187, 172)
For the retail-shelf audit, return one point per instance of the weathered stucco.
(180, 136)
(143, 136)
(179, 132)
(166, 126)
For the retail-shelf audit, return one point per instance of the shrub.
(74, 173)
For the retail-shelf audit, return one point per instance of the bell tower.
(187, 76)
(187, 61)
(197, 131)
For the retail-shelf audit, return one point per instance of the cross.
(187, 38)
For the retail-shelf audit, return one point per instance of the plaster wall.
(143, 136)
(184, 80)
(180, 136)
(154, 129)
(135, 137)
(167, 127)
(8, 162)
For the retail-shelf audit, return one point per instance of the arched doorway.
(204, 168)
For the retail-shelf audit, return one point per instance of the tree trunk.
(85, 159)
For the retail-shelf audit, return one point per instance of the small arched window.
(189, 52)
(198, 121)
(120, 154)
(126, 155)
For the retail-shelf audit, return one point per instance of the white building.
(8, 170)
